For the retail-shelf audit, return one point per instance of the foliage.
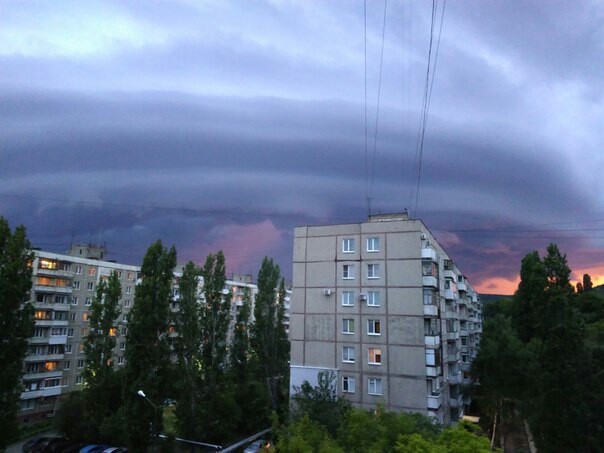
(16, 322)
(148, 354)
(269, 340)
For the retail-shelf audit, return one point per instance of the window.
(65, 381)
(348, 245)
(432, 357)
(80, 363)
(429, 297)
(76, 284)
(50, 366)
(70, 332)
(88, 301)
(91, 271)
(347, 271)
(79, 380)
(348, 326)
(90, 286)
(373, 244)
(74, 300)
(348, 384)
(72, 316)
(67, 364)
(122, 346)
(464, 358)
(375, 356)
(120, 360)
(78, 270)
(374, 386)
(348, 354)
(39, 333)
(60, 299)
(429, 269)
(373, 327)
(119, 274)
(464, 341)
(373, 271)
(373, 298)
(348, 298)
(127, 303)
(67, 349)
(27, 405)
(130, 276)
(125, 317)
(52, 383)
(128, 289)
(58, 331)
(113, 331)
(85, 316)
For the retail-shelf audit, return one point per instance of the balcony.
(448, 273)
(449, 294)
(53, 289)
(456, 401)
(54, 272)
(430, 310)
(44, 357)
(465, 366)
(434, 401)
(455, 379)
(428, 280)
(464, 333)
(461, 286)
(451, 314)
(51, 323)
(43, 375)
(51, 391)
(432, 341)
(429, 253)
(56, 339)
(453, 355)
(452, 336)
(433, 371)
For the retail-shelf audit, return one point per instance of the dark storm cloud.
(212, 128)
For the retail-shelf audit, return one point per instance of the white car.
(256, 446)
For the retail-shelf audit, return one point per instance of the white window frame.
(348, 271)
(374, 386)
(90, 286)
(92, 271)
(76, 284)
(348, 245)
(347, 353)
(377, 356)
(120, 360)
(78, 270)
(127, 303)
(348, 299)
(74, 300)
(80, 364)
(88, 301)
(348, 326)
(128, 289)
(373, 271)
(373, 244)
(348, 384)
(79, 380)
(374, 327)
(68, 349)
(67, 365)
(372, 296)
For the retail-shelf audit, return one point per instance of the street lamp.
(142, 395)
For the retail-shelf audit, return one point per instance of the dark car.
(33, 443)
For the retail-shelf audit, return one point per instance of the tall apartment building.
(62, 292)
(383, 306)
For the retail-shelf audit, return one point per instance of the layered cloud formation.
(224, 124)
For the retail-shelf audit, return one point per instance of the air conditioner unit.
(424, 237)
(327, 292)
(363, 296)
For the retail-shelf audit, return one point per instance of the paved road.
(18, 446)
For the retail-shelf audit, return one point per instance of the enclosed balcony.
(432, 341)
(434, 401)
(430, 310)
(428, 253)
(429, 281)
(433, 371)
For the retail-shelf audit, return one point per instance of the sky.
(224, 124)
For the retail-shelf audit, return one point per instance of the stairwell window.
(347, 271)
(373, 244)
(373, 271)
(374, 386)
(375, 356)
(348, 245)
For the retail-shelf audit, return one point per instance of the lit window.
(348, 245)
(373, 271)
(373, 244)
(85, 316)
(347, 271)
(374, 386)
(91, 271)
(348, 384)
(348, 354)
(375, 356)
(48, 264)
(130, 276)
(50, 366)
(348, 298)
(348, 326)
(373, 298)
(373, 327)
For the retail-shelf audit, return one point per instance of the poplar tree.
(16, 322)
(269, 339)
(148, 352)
(187, 346)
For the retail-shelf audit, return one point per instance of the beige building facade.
(381, 305)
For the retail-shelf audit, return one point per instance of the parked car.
(256, 446)
(34, 443)
(93, 448)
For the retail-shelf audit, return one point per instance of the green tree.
(187, 346)
(16, 322)
(148, 353)
(269, 338)
(529, 296)
(101, 338)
